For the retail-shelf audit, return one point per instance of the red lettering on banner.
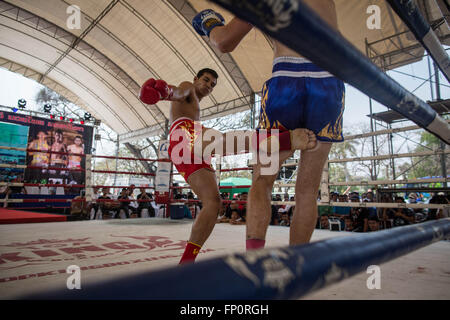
(46, 253)
(68, 126)
(152, 242)
(45, 241)
(81, 249)
(13, 257)
(102, 266)
(122, 245)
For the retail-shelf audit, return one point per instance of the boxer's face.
(58, 137)
(205, 84)
(41, 135)
(78, 141)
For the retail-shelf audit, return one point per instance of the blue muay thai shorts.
(301, 95)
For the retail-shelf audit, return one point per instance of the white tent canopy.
(122, 43)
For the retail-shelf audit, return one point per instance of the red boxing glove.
(153, 91)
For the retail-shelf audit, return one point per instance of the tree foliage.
(429, 165)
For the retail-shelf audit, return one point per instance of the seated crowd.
(110, 206)
(344, 218)
(131, 203)
(370, 218)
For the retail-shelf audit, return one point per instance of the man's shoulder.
(186, 85)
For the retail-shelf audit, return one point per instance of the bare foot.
(303, 139)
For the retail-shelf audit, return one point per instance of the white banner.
(162, 178)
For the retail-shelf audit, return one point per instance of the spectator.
(373, 224)
(275, 218)
(360, 219)
(243, 206)
(285, 219)
(419, 215)
(124, 205)
(334, 197)
(145, 205)
(370, 196)
(342, 211)
(237, 218)
(324, 222)
(435, 214)
(131, 189)
(93, 205)
(387, 214)
(348, 223)
(402, 216)
(291, 207)
(233, 206)
(103, 206)
(364, 196)
(132, 205)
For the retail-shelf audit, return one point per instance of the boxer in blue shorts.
(298, 95)
(290, 99)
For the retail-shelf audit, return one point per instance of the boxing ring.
(287, 272)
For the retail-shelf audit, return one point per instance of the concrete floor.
(34, 257)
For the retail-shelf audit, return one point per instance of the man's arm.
(181, 92)
(226, 38)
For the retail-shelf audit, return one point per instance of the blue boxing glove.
(207, 20)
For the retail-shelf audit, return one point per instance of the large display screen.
(12, 136)
(42, 134)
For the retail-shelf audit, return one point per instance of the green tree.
(428, 165)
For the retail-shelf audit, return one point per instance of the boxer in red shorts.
(186, 132)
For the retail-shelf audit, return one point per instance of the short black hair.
(207, 70)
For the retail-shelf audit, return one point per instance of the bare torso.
(73, 148)
(58, 158)
(326, 9)
(189, 108)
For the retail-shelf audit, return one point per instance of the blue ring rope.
(280, 273)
